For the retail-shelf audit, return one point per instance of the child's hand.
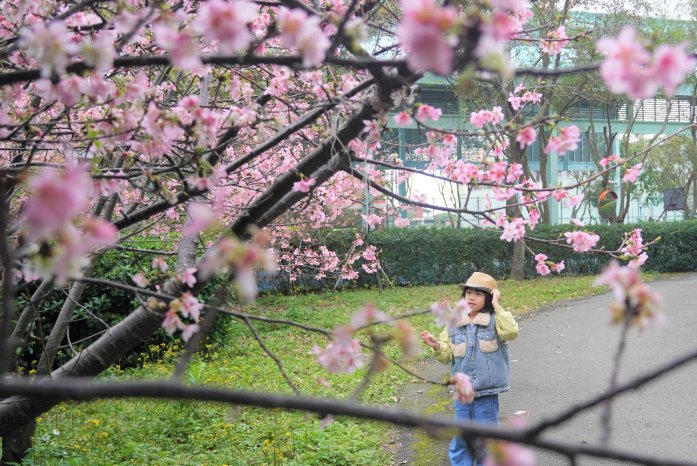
(495, 297)
(430, 340)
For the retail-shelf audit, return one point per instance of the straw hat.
(480, 281)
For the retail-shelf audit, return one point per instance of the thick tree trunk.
(518, 263)
(16, 444)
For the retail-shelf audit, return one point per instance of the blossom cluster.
(343, 354)
(633, 248)
(567, 140)
(521, 97)
(183, 314)
(484, 116)
(634, 302)
(424, 32)
(581, 241)
(544, 267)
(448, 315)
(555, 42)
(57, 200)
(463, 390)
(630, 69)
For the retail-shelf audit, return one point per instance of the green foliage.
(119, 432)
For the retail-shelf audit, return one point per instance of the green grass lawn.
(188, 433)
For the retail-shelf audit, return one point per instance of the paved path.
(563, 356)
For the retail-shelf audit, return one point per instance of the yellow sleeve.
(445, 353)
(506, 326)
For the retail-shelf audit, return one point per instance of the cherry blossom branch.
(607, 409)
(246, 317)
(271, 354)
(142, 61)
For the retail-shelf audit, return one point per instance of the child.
(477, 348)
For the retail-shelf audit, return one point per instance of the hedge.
(417, 256)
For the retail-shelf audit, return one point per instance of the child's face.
(475, 299)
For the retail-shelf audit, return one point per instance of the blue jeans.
(482, 409)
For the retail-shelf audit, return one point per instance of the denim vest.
(479, 353)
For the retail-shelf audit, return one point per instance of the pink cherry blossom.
(581, 241)
(463, 390)
(97, 233)
(427, 112)
(515, 171)
(632, 174)
(50, 44)
(343, 355)
(159, 263)
(140, 279)
(541, 267)
(533, 218)
(368, 314)
(401, 222)
(557, 40)
(99, 51)
(638, 261)
(188, 331)
(526, 136)
(513, 230)
(634, 301)
(669, 67)
(634, 248)
(304, 185)
(185, 53)
(226, 23)
(303, 32)
(190, 306)
(573, 201)
(246, 282)
(567, 140)
(629, 69)
(373, 219)
(187, 276)
(422, 34)
(171, 322)
(483, 117)
(55, 198)
(402, 119)
(448, 315)
(312, 43)
(501, 26)
(502, 453)
(605, 161)
(559, 194)
(558, 267)
(200, 217)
